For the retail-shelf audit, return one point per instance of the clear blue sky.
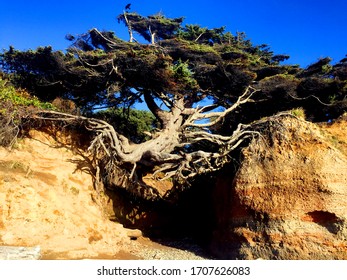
(304, 29)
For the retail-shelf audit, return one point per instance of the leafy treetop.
(100, 69)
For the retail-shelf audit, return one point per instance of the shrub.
(19, 97)
(299, 112)
(15, 105)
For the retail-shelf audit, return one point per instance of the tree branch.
(216, 117)
(130, 30)
(154, 108)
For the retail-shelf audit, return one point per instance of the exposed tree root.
(176, 152)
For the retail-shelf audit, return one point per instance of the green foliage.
(199, 48)
(100, 68)
(15, 105)
(339, 70)
(20, 97)
(321, 67)
(299, 112)
(184, 75)
(190, 61)
(136, 125)
(38, 71)
(155, 26)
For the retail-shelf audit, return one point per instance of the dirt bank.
(287, 199)
(47, 200)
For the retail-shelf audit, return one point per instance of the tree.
(151, 27)
(181, 67)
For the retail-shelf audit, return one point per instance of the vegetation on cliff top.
(15, 105)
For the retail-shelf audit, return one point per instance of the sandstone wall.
(288, 199)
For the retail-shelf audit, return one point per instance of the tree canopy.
(172, 71)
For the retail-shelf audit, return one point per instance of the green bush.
(20, 97)
(15, 104)
(299, 112)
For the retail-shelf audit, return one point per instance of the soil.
(47, 199)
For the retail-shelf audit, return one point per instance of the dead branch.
(215, 117)
(130, 29)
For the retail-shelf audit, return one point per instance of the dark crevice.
(326, 219)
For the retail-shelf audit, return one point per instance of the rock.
(20, 253)
(288, 199)
(133, 234)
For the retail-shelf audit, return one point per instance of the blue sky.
(304, 29)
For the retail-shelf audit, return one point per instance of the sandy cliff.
(47, 199)
(288, 199)
(46, 202)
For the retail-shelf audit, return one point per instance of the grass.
(299, 112)
(337, 141)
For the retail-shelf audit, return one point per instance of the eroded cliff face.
(288, 199)
(47, 201)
